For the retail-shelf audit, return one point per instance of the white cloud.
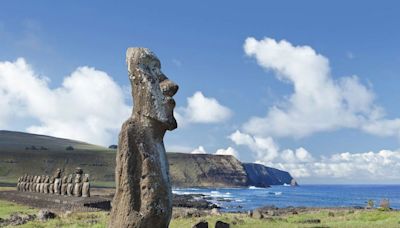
(357, 167)
(199, 150)
(265, 148)
(89, 106)
(227, 151)
(318, 103)
(201, 109)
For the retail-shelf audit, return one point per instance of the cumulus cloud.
(202, 109)
(227, 151)
(365, 166)
(88, 106)
(264, 147)
(318, 102)
(199, 150)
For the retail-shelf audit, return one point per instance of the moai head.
(70, 177)
(152, 91)
(78, 178)
(78, 170)
(86, 178)
(38, 179)
(47, 179)
(43, 178)
(52, 180)
(57, 173)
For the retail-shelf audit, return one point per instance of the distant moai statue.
(57, 182)
(19, 184)
(43, 178)
(64, 185)
(38, 181)
(46, 185)
(51, 186)
(86, 186)
(34, 184)
(26, 185)
(78, 182)
(70, 186)
(29, 187)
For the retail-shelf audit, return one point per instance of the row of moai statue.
(71, 185)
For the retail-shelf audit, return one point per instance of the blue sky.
(201, 47)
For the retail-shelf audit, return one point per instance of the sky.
(310, 87)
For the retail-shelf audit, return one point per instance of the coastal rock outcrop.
(143, 196)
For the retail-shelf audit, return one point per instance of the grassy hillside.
(32, 154)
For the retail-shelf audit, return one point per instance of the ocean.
(244, 199)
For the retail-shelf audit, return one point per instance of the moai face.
(52, 180)
(78, 178)
(152, 91)
(65, 179)
(47, 179)
(70, 177)
(86, 178)
(57, 173)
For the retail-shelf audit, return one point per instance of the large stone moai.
(70, 185)
(143, 195)
(51, 186)
(86, 186)
(57, 182)
(78, 182)
(64, 185)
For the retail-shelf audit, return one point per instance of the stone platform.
(58, 202)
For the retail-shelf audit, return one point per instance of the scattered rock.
(16, 219)
(215, 211)
(220, 224)
(45, 214)
(201, 224)
(257, 214)
(331, 214)
(313, 221)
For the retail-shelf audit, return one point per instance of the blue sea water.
(243, 199)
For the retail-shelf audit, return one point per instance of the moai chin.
(143, 196)
(86, 186)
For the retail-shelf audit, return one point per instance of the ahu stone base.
(57, 202)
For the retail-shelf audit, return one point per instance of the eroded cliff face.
(262, 176)
(206, 170)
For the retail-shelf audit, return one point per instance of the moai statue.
(26, 186)
(34, 184)
(78, 182)
(86, 186)
(29, 181)
(46, 185)
(51, 186)
(64, 186)
(143, 196)
(23, 182)
(19, 184)
(43, 179)
(57, 182)
(70, 186)
(38, 181)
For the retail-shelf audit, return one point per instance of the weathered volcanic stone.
(143, 196)
(64, 185)
(70, 186)
(86, 186)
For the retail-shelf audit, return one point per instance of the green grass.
(7, 208)
(340, 218)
